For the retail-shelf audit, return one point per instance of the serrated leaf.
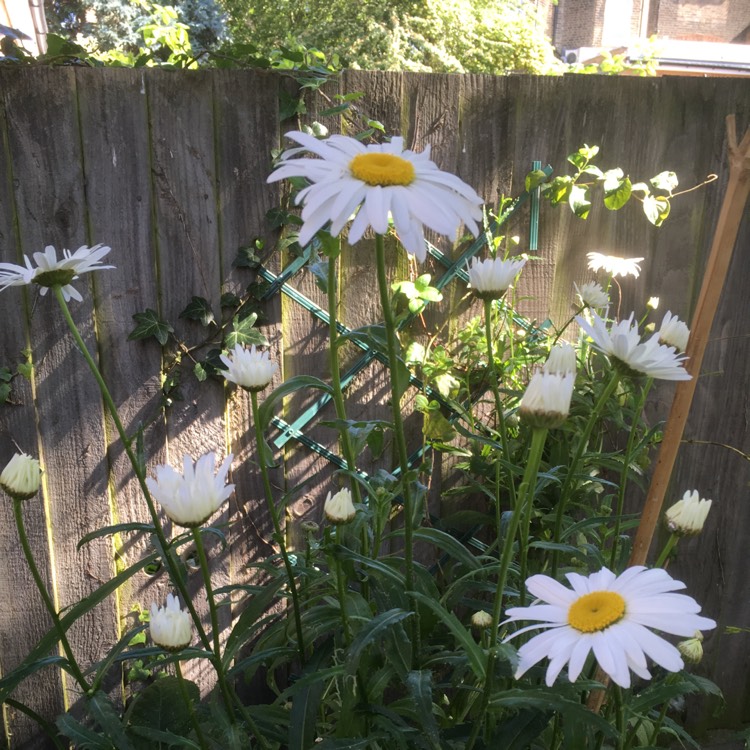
(419, 685)
(371, 632)
(150, 324)
(107, 718)
(82, 737)
(656, 208)
(199, 308)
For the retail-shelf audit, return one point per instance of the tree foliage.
(475, 36)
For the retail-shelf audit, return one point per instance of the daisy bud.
(309, 527)
(692, 648)
(339, 508)
(591, 294)
(249, 368)
(481, 620)
(546, 402)
(674, 332)
(171, 627)
(20, 478)
(491, 278)
(687, 516)
(653, 303)
(561, 360)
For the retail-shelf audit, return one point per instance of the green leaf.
(200, 372)
(107, 718)
(518, 732)
(199, 308)
(656, 209)
(559, 189)
(305, 703)
(161, 706)
(419, 685)
(579, 201)
(243, 332)
(246, 257)
(640, 187)
(612, 179)
(666, 181)
(474, 653)
(437, 428)
(82, 737)
(534, 179)
(4, 392)
(115, 529)
(161, 736)
(298, 382)
(149, 324)
(617, 197)
(371, 632)
(5, 375)
(228, 299)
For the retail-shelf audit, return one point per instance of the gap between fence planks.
(725, 236)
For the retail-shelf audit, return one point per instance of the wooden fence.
(169, 169)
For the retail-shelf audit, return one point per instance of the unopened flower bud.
(170, 627)
(561, 360)
(481, 620)
(309, 527)
(687, 516)
(653, 303)
(674, 332)
(546, 403)
(339, 508)
(692, 648)
(20, 478)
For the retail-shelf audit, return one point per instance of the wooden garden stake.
(727, 227)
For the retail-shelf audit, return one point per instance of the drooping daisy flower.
(591, 294)
(339, 508)
(170, 627)
(674, 332)
(687, 516)
(51, 272)
(380, 180)
(561, 360)
(194, 496)
(623, 344)
(611, 616)
(249, 368)
(21, 476)
(491, 278)
(546, 402)
(614, 265)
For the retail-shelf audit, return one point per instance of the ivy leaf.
(200, 372)
(243, 333)
(5, 374)
(247, 255)
(228, 299)
(149, 324)
(579, 201)
(656, 209)
(199, 308)
(4, 392)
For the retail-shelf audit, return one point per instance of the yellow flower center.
(382, 169)
(596, 611)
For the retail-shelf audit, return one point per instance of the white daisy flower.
(611, 616)
(687, 516)
(546, 402)
(170, 627)
(592, 294)
(194, 496)
(614, 265)
(51, 272)
(380, 180)
(21, 476)
(623, 343)
(562, 360)
(249, 368)
(491, 278)
(339, 508)
(674, 332)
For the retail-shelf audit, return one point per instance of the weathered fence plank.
(169, 169)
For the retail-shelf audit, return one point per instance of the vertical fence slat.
(45, 146)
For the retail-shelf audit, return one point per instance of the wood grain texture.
(169, 169)
(50, 206)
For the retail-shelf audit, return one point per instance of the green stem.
(573, 468)
(525, 496)
(624, 472)
(338, 395)
(205, 570)
(495, 384)
(398, 425)
(278, 531)
(189, 704)
(74, 668)
(174, 573)
(619, 716)
(668, 547)
(341, 589)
